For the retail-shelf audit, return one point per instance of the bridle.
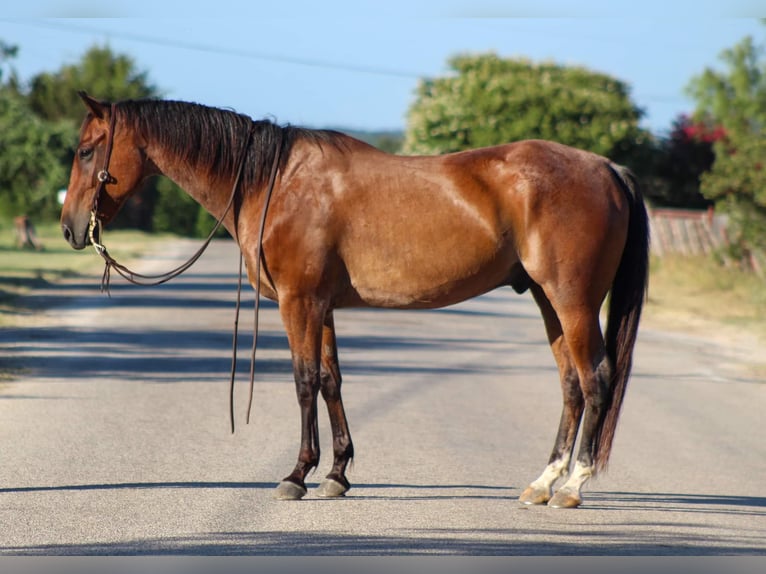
(103, 177)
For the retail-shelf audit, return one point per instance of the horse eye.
(85, 152)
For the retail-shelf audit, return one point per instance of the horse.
(343, 224)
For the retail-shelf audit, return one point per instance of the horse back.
(405, 232)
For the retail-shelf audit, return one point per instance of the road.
(115, 433)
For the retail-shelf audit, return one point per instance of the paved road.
(115, 435)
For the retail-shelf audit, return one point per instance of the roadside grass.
(698, 296)
(22, 270)
(701, 289)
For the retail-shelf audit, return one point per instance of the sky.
(356, 65)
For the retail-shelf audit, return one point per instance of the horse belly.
(430, 274)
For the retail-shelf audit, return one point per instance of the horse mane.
(213, 139)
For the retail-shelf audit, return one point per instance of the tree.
(488, 100)
(7, 53)
(34, 159)
(100, 72)
(106, 75)
(33, 153)
(734, 98)
(680, 160)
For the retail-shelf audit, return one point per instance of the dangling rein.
(103, 177)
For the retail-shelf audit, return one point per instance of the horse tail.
(626, 301)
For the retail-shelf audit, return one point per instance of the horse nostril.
(67, 233)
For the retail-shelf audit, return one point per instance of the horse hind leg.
(586, 345)
(335, 483)
(540, 491)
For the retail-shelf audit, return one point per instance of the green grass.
(22, 270)
(701, 289)
(697, 295)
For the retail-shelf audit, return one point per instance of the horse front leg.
(335, 483)
(303, 319)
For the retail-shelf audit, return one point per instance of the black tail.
(625, 304)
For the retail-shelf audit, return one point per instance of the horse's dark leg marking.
(302, 317)
(335, 484)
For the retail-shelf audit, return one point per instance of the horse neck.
(212, 193)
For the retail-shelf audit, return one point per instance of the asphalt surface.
(114, 434)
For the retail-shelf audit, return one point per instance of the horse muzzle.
(78, 233)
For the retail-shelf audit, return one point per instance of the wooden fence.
(686, 232)
(695, 232)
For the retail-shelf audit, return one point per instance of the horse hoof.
(289, 491)
(565, 499)
(331, 488)
(535, 495)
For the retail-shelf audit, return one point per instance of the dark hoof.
(331, 488)
(289, 491)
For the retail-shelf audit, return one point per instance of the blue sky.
(357, 64)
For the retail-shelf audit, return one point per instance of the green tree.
(734, 98)
(106, 75)
(34, 153)
(680, 160)
(34, 159)
(7, 53)
(100, 72)
(489, 100)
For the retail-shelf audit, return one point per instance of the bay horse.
(351, 226)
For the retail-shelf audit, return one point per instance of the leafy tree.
(106, 75)
(34, 159)
(734, 98)
(34, 154)
(489, 100)
(7, 53)
(100, 72)
(680, 160)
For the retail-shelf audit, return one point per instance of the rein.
(103, 177)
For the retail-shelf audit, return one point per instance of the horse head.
(108, 167)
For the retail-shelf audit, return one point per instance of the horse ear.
(96, 107)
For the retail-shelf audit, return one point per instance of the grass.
(22, 270)
(697, 289)
(697, 296)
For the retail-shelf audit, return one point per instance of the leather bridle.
(103, 177)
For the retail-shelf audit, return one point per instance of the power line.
(201, 47)
(265, 56)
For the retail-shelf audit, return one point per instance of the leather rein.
(103, 178)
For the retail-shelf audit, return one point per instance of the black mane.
(213, 139)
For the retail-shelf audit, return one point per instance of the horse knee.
(306, 384)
